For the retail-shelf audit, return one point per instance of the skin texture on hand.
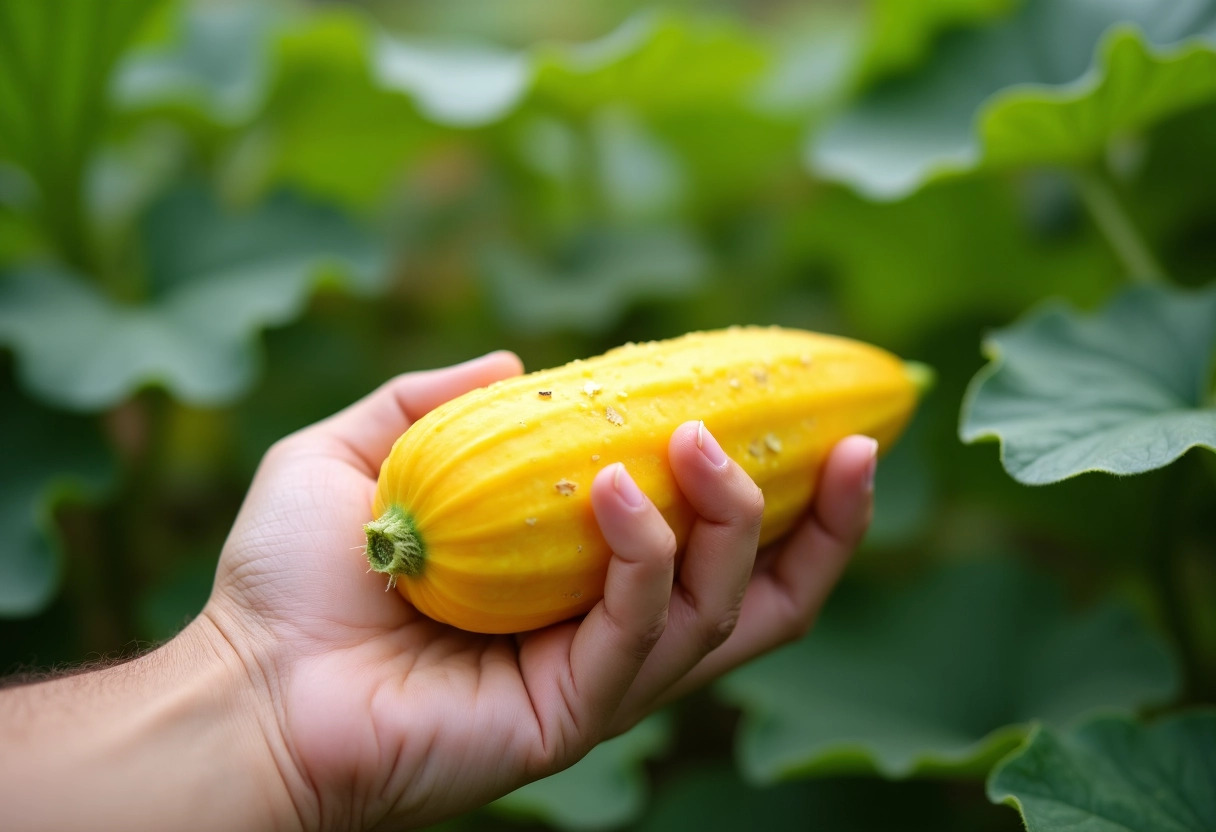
(368, 715)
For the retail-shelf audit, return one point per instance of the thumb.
(367, 429)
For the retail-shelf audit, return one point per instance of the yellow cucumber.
(483, 511)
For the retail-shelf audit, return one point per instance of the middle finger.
(715, 569)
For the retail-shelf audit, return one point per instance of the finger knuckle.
(649, 635)
(718, 629)
(281, 449)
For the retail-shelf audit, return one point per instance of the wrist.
(242, 692)
(173, 739)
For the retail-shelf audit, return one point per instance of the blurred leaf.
(1138, 86)
(457, 85)
(172, 602)
(815, 60)
(653, 62)
(216, 64)
(940, 677)
(1115, 775)
(1053, 84)
(49, 458)
(604, 790)
(712, 798)
(215, 279)
(1125, 391)
(905, 271)
(1169, 199)
(640, 177)
(900, 34)
(55, 62)
(595, 281)
(329, 127)
(905, 490)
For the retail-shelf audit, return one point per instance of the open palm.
(388, 719)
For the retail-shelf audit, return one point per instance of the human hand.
(378, 717)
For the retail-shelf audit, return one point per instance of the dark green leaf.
(1053, 84)
(596, 280)
(171, 603)
(49, 458)
(1115, 775)
(712, 798)
(215, 280)
(604, 790)
(903, 271)
(1124, 391)
(900, 33)
(939, 677)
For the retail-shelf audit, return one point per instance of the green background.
(220, 222)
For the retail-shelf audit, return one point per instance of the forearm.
(167, 741)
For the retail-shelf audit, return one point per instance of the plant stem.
(1098, 194)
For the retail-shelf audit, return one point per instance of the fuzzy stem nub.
(394, 546)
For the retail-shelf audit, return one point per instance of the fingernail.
(872, 465)
(710, 447)
(628, 490)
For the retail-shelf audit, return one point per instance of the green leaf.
(55, 61)
(905, 490)
(50, 458)
(653, 63)
(1124, 391)
(595, 280)
(173, 601)
(329, 126)
(1115, 775)
(900, 34)
(215, 280)
(903, 272)
(216, 64)
(453, 84)
(828, 51)
(604, 790)
(939, 677)
(712, 798)
(1053, 84)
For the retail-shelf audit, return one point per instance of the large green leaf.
(1115, 775)
(1053, 84)
(604, 790)
(942, 676)
(50, 458)
(55, 62)
(1124, 391)
(215, 279)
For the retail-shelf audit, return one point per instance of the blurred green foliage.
(220, 221)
